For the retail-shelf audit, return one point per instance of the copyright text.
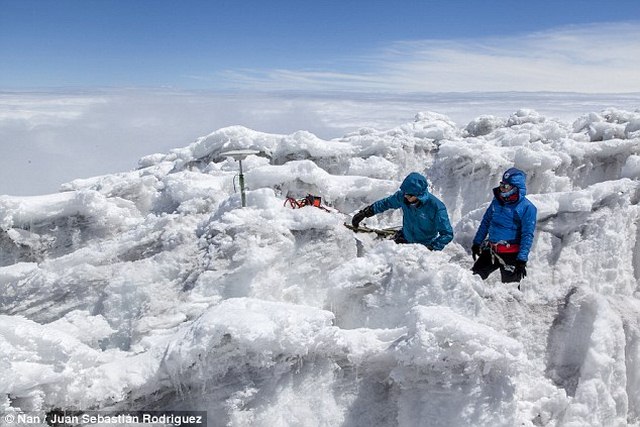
(64, 419)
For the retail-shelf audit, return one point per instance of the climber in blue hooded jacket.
(425, 218)
(505, 235)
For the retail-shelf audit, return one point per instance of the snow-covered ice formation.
(154, 289)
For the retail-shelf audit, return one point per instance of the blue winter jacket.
(425, 222)
(510, 222)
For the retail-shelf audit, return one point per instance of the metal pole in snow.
(240, 155)
(241, 179)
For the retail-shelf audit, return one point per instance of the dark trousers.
(487, 263)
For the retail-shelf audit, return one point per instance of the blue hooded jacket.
(425, 222)
(510, 221)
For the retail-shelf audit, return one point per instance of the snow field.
(153, 289)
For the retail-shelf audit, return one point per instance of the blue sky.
(393, 46)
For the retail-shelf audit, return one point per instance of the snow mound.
(610, 124)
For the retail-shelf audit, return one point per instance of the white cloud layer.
(47, 139)
(596, 58)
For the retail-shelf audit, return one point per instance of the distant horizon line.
(54, 89)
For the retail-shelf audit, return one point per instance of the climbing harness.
(502, 248)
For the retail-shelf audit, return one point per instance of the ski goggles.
(505, 186)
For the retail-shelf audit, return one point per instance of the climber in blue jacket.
(425, 218)
(506, 232)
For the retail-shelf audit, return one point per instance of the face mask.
(508, 193)
(507, 189)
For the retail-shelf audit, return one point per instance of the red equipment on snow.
(309, 200)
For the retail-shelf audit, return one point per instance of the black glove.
(399, 237)
(475, 251)
(521, 269)
(364, 213)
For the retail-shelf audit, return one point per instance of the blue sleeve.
(528, 219)
(484, 225)
(445, 232)
(394, 201)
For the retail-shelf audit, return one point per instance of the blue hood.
(516, 178)
(426, 222)
(416, 185)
